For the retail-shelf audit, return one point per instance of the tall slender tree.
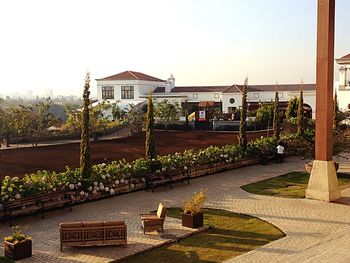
(242, 137)
(335, 112)
(85, 151)
(150, 145)
(276, 115)
(300, 116)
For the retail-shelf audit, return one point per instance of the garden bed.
(291, 185)
(121, 177)
(229, 235)
(18, 162)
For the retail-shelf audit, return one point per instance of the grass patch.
(5, 260)
(291, 185)
(230, 234)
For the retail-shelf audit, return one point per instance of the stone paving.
(306, 222)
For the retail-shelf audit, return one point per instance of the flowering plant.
(106, 178)
(17, 235)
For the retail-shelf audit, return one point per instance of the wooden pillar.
(324, 80)
(323, 183)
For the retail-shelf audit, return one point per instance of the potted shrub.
(18, 246)
(192, 215)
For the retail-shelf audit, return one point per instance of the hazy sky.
(50, 44)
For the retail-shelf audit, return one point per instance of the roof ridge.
(237, 88)
(133, 74)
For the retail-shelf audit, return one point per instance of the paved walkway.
(306, 222)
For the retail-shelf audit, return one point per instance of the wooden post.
(324, 80)
(323, 183)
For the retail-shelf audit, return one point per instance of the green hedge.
(106, 177)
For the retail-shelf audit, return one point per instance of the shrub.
(17, 235)
(107, 177)
(195, 204)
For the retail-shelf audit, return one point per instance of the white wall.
(226, 101)
(202, 96)
(309, 98)
(140, 88)
(148, 86)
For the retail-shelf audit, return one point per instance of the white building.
(128, 87)
(132, 87)
(343, 85)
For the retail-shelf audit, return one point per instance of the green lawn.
(230, 235)
(5, 260)
(291, 185)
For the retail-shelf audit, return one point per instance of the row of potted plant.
(110, 178)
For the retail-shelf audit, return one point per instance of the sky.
(49, 44)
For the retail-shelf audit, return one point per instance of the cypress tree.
(292, 109)
(335, 112)
(242, 137)
(276, 115)
(150, 141)
(85, 151)
(300, 116)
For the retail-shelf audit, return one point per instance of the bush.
(195, 204)
(106, 177)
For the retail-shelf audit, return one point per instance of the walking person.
(280, 153)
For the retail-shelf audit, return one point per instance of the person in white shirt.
(280, 153)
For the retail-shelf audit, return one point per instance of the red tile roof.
(131, 75)
(281, 87)
(200, 89)
(159, 90)
(346, 57)
(237, 88)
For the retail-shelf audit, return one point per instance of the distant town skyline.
(49, 45)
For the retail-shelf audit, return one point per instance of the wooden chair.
(154, 220)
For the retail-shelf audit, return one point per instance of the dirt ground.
(17, 162)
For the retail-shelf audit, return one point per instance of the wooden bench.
(93, 233)
(157, 179)
(167, 178)
(35, 204)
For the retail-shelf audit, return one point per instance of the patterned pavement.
(306, 222)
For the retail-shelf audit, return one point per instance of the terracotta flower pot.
(192, 220)
(19, 250)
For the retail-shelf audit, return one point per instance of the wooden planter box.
(18, 251)
(192, 221)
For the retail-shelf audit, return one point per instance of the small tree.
(264, 115)
(150, 142)
(117, 112)
(292, 109)
(167, 111)
(38, 119)
(85, 151)
(242, 137)
(276, 115)
(300, 116)
(136, 118)
(335, 112)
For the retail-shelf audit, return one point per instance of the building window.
(256, 95)
(280, 95)
(107, 92)
(127, 92)
(195, 96)
(216, 95)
